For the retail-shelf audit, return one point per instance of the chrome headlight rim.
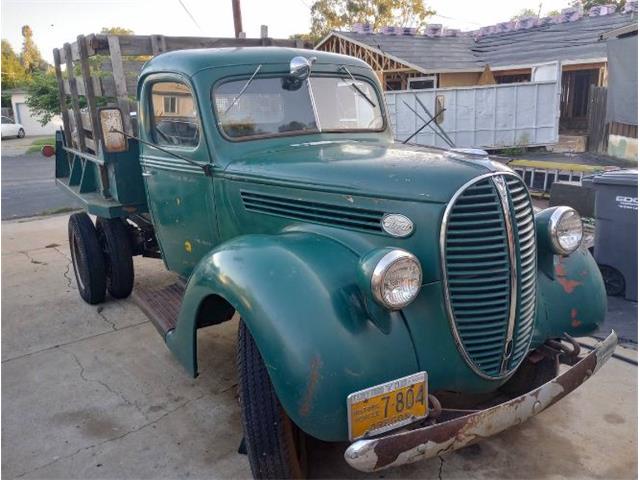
(381, 269)
(554, 222)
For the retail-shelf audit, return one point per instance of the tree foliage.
(587, 4)
(328, 15)
(13, 73)
(116, 31)
(525, 12)
(30, 55)
(42, 96)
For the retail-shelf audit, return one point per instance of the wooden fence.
(596, 118)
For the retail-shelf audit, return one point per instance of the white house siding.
(22, 114)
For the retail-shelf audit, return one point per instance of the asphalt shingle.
(579, 40)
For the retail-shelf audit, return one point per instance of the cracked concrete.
(93, 392)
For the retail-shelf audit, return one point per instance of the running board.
(162, 306)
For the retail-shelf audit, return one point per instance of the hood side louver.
(315, 212)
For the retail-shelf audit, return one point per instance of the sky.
(55, 22)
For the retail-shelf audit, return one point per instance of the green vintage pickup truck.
(404, 299)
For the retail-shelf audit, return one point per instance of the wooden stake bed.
(102, 71)
(107, 66)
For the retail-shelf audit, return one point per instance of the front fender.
(572, 297)
(296, 293)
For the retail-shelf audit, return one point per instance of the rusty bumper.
(410, 446)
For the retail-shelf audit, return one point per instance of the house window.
(423, 83)
(174, 122)
(170, 104)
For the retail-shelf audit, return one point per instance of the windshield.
(278, 106)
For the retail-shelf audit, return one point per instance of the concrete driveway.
(92, 392)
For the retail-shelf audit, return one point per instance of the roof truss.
(379, 61)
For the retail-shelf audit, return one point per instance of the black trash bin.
(616, 241)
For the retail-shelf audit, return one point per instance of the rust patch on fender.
(561, 276)
(314, 376)
(575, 323)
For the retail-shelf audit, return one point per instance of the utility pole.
(237, 17)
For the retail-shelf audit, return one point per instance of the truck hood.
(362, 168)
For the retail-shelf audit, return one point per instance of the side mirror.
(111, 126)
(300, 67)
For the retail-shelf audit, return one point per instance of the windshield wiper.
(356, 88)
(246, 85)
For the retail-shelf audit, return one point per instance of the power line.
(190, 16)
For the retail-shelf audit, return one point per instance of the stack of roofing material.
(433, 30)
(599, 10)
(504, 27)
(546, 41)
(569, 14)
(362, 28)
(526, 22)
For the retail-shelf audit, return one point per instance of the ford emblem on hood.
(397, 225)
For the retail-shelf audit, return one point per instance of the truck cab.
(378, 283)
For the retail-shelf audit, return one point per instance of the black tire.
(87, 259)
(118, 256)
(275, 445)
(613, 280)
(21, 133)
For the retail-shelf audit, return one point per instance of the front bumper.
(410, 446)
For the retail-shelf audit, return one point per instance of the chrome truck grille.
(488, 251)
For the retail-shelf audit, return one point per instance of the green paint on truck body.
(262, 232)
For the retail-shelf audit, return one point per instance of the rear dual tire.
(113, 235)
(101, 256)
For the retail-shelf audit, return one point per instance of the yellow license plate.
(387, 406)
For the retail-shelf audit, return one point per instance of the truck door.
(179, 195)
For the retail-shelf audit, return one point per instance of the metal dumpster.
(616, 242)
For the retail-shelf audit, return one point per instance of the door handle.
(147, 174)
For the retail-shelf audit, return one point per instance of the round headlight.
(565, 230)
(396, 279)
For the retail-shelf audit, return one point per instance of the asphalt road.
(28, 187)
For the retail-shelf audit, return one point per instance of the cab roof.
(188, 62)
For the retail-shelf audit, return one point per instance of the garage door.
(31, 124)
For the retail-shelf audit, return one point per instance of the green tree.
(525, 12)
(328, 15)
(116, 31)
(42, 96)
(30, 55)
(13, 73)
(587, 4)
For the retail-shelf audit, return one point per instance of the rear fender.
(297, 294)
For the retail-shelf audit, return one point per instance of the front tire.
(21, 133)
(118, 257)
(87, 259)
(275, 445)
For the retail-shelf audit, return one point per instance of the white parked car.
(11, 128)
